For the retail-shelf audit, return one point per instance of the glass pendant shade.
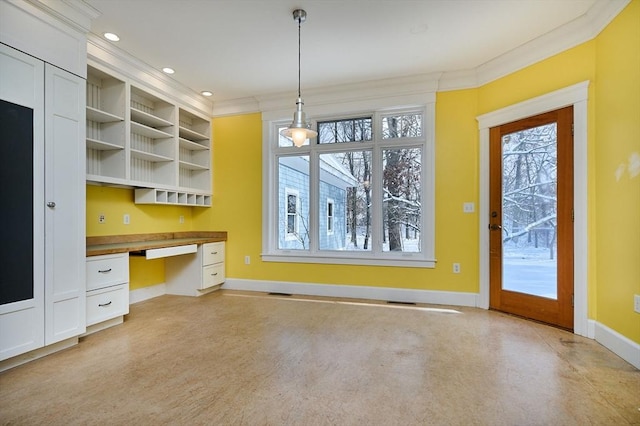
(299, 130)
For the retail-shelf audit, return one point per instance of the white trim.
(622, 346)
(355, 292)
(146, 293)
(24, 358)
(577, 96)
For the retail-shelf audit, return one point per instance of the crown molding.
(578, 31)
(144, 76)
(75, 13)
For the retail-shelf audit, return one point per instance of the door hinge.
(573, 215)
(572, 128)
(572, 297)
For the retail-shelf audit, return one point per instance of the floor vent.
(393, 302)
(280, 294)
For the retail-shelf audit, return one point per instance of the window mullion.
(314, 196)
(376, 191)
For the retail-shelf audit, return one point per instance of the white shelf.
(149, 156)
(102, 145)
(100, 116)
(192, 146)
(191, 134)
(148, 119)
(169, 197)
(192, 166)
(149, 132)
(139, 136)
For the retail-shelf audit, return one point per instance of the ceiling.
(248, 48)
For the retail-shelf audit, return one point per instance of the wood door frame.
(576, 95)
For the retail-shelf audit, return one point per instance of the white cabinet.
(196, 274)
(46, 240)
(140, 136)
(107, 290)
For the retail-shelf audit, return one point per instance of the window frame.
(272, 121)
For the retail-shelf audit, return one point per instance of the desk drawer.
(107, 303)
(107, 270)
(212, 253)
(212, 275)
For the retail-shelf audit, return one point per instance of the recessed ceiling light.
(206, 93)
(168, 70)
(111, 36)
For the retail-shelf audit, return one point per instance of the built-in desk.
(112, 244)
(194, 265)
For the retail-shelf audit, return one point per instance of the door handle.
(495, 227)
(51, 204)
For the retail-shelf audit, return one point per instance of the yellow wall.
(617, 171)
(611, 62)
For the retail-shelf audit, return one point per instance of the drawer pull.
(104, 304)
(213, 275)
(104, 271)
(214, 252)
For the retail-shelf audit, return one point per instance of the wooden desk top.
(111, 244)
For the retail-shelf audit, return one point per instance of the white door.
(65, 129)
(22, 192)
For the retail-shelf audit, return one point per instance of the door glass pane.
(529, 205)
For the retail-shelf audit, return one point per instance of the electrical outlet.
(247, 260)
(181, 219)
(102, 218)
(456, 268)
(126, 219)
(468, 207)
(636, 303)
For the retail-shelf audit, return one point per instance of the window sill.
(343, 260)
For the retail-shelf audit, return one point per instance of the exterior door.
(531, 218)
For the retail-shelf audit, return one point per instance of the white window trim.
(383, 105)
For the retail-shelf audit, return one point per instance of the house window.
(364, 191)
(330, 203)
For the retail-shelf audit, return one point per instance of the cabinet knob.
(51, 204)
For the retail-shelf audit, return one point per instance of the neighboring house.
(294, 203)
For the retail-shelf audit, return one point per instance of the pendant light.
(299, 130)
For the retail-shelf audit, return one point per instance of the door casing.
(576, 95)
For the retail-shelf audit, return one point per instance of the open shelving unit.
(139, 136)
(106, 127)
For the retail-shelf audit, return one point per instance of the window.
(330, 203)
(360, 193)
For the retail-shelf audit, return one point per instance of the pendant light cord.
(299, 24)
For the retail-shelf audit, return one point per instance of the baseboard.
(355, 292)
(37, 353)
(146, 293)
(622, 346)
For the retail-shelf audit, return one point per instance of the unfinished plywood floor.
(233, 358)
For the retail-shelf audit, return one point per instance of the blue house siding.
(336, 239)
(293, 179)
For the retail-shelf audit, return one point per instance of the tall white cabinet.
(54, 308)
(42, 288)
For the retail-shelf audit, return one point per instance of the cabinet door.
(22, 191)
(65, 130)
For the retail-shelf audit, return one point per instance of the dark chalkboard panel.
(16, 193)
